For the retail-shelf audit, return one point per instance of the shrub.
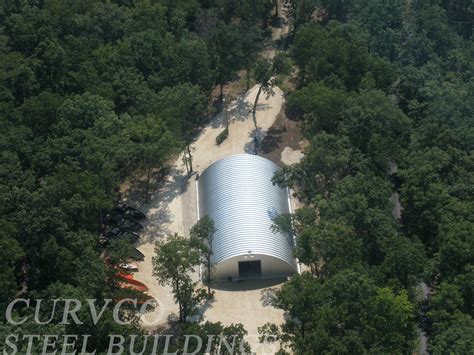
(222, 136)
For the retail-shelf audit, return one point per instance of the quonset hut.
(237, 193)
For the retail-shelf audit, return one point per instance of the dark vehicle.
(131, 237)
(137, 255)
(129, 211)
(123, 222)
(113, 220)
(112, 233)
(130, 225)
(116, 233)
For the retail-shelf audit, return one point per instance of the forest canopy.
(385, 96)
(93, 92)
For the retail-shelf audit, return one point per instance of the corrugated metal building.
(237, 193)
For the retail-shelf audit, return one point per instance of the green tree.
(52, 57)
(233, 334)
(41, 112)
(465, 283)
(173, 262)
(456, 337)
(329, 54)
(362, 203)
(83, 111)
(456, 250)
(265, 72)
(155, 145)
(424, 196)
(404, 261)
(17, 77)
(300, 12)
(182, 108)
(346, 313)
(328, 247)
(299, 297)
(327, 160)
(383, 21)
(11, 256)
(193, 64)
(252, 39)
(225, 44)
(452, 329)
(337, 9)
(265, 77)
(202, 237)
(321, 106)
(377, 128)
(319, 55)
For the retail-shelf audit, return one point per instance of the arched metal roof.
(237, 193)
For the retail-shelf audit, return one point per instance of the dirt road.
(172, 209)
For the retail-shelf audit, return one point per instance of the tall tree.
(225, 44)
(346, 314)
(322, 107)
(252, 39)
(173, 262)
(202, 237)
(12, 254)
(327, 160)
(155, 144)
(377, 128)
(300, 12)
(265, 72)
(182, 108)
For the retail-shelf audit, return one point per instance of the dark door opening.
(250, 269)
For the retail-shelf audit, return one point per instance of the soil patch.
(283, 133)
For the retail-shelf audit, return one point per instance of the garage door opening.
(250, 269)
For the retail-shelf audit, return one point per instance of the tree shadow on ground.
(272, 139)
(202, 308)
(175, 184)
(253, 145)
(240, 109)
(157, 210)
(247, 285)
(263, 107)
(268, 296)
(277, 21)
(156, 228)
(237, 110)
(218, 120)
(282, 43)
(135, 194)
(171, 327)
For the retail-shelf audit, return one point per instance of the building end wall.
(271, 267)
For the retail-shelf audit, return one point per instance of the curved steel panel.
(237, 193)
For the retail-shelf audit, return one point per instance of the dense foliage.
(385, 95)
(92, 92)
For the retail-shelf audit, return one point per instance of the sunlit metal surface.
(237, 193)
